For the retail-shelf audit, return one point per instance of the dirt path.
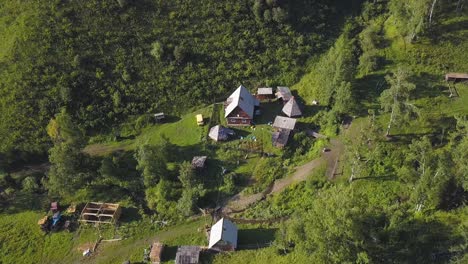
(240, 202)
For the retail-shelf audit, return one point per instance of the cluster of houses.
(222, 238)
(241, 107)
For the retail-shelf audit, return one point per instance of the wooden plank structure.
(102, 213)
(282, 122)
(156, 252)
(456, 77)
(188, 255)
(283, 93)
(280, 138)
(265, 93)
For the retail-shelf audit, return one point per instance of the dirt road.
(241, 202)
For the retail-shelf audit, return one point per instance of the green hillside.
(374, 171)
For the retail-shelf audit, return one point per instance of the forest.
(385, 180)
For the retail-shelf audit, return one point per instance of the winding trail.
(240, 202)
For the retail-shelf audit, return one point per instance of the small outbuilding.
(265, 93)
(200, 121)
(280, 138)
(101, 213)
(456, 77)
(198, 162)
(156, 252)
(159, 117)
(291, 108)
(223, 236)
(220, 133)
(283, 93)
(187, 255)
(282, 122)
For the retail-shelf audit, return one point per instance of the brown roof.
(456, 75)
(187, 255)
(280, 138)
(156, 252)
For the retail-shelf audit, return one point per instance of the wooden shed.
(280, 138)
(156, 252)
(283, 93)
(102, 213)
(456, 77)
(187, 255)
(282, 122)
(265, 93)
(159, 117)
(240, 107)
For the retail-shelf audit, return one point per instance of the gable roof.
(284, 93)
(265, 91)
(291, 108)
(223, 230)
(242, 98)
(284, 123)
(219, 132)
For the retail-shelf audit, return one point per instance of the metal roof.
(242, 98)
(265, 91)
(223, 230)
(284, 122)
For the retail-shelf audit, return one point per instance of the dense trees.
(396, 99)
(106, 61)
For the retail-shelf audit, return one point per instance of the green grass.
(21, 240)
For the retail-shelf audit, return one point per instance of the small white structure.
(223, 236)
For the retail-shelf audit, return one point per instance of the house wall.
(239, 118)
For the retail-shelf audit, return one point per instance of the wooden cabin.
(198, 162)
(283, 93)
(265, 93)
(240, 107)
(456, 77)
(159, 117)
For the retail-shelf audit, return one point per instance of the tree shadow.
(368, 88)
(255, 236)
(130, 214)
(415, 241)
(425, 85)
(453, 33)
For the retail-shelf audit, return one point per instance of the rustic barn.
(283, 93)
(291, 108)
(198, 162)
(282, 122)
(156, 252)
(223, 236)
(456, 77)
(280, 137)
(187, 255)
(102, 213)
(240, 107)
(220, 133)
(265, 93)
